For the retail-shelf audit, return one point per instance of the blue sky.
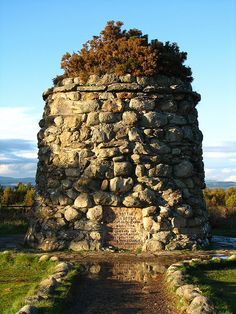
(35, 34)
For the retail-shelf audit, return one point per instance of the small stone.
(128, 78)
(154, 245)
(54, 259)
(116, 87)
(104, 185)
(113, 105)
(67, 81)
(28, 309)
(78, 246)
(122, 168)
(48, 285)
(161, 170)
(185, 211)
(132, 200)
(172, 197)
(102, 133)
(148, 211)
(85, 106)
(168, 106)
(121, 185)
(174, 134)
(200, 305)
(108, 117)
(165, 211)
(177, 278)
(141, 104)
(73, 95)
(129, 117)
(163, 236)
(232, 257)
(72, 172)
(154, 119)
(92, 118)
(108, 79)
(62, 267)
(134, 135)
(95, 235)
(95, 213)
(183, 169)
(188, 292)
(147, 223)
(159, 147)
(58, 121)
(70, 213)
(105, 198)
(44, 258)
(83, 200)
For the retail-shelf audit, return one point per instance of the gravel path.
(104, 293)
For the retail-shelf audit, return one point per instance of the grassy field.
(13, 227)
(217, 281)
(19, 276)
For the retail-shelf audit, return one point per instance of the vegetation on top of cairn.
(121, 52)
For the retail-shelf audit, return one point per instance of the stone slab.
(123, 227)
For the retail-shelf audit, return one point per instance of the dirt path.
(110, 292)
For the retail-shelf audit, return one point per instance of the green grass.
(227, 232)
(13, 227)
(54, 305)
(218, 282)
(19, 277)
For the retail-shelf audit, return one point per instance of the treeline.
(221, 197)
(221, 205)
(22, 194)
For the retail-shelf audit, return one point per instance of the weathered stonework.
(120, 163)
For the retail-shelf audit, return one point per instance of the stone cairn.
(120, 164)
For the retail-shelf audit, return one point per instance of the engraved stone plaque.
(123, 227)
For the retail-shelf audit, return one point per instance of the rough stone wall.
(117, 145)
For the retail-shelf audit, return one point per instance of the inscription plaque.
(123, 227)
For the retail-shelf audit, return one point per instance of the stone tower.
(120, 164)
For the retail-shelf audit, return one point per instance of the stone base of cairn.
(120, 164)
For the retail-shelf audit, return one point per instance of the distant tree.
(28, 199)
(231, 201)
(20, 192)
(7, 196)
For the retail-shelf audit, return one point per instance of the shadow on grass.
(217, 281)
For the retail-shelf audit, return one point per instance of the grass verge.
(217, 280)
(54, 306)
(20, 275)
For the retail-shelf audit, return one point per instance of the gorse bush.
(120, 52)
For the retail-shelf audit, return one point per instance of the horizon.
(31, 53)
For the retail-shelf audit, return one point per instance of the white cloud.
(18, 122)
(230, 178)
(228, 170)
(18, 171)
(220, 161)
(18, 136)
(219, 154)
(27, 154)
